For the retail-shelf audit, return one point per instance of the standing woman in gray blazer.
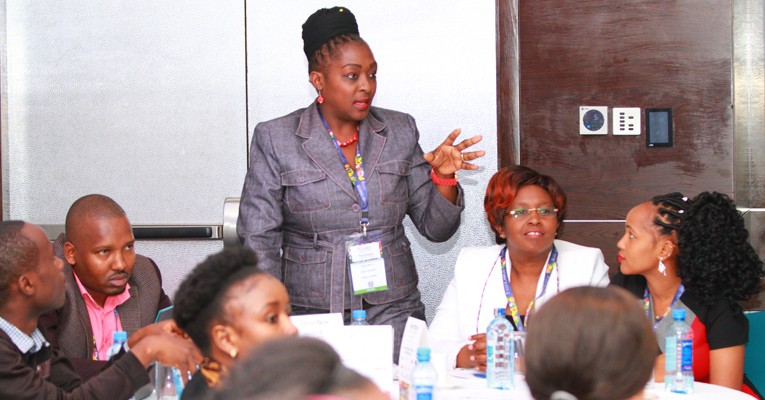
(329, 185)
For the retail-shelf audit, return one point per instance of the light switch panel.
(626, 121)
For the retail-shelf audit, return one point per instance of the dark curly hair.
(715, 258)
(201, 296)
(328, 50)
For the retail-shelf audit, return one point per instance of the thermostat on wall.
(593, 120)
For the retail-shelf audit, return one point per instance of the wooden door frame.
(508, 83)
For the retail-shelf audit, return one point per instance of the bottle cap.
(119, 336)
(423, 354)
(678, 314)
(359, 314)
(500, 312)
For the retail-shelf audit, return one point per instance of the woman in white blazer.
(526, 269)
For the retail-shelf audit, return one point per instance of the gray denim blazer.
(298, 205)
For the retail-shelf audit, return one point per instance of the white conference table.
(463, 385)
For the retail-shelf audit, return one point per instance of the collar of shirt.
(24, 342)
(111, 302)
(104, 321)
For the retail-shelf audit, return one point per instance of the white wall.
(436, 62)
(143, 101)
(83, 78)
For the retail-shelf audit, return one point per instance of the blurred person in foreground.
(298, 368)
(589, 343)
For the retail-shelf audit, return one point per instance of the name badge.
(367, 267)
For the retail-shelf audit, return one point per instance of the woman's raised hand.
(449, 158)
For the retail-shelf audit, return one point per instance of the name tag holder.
(365, 263)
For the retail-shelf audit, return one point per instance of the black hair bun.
(325, 24)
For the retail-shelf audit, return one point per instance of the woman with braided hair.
(693, 254)
(329, 186)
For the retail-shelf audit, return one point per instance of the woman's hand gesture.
(449, 158)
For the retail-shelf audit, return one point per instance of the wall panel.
(634, 53)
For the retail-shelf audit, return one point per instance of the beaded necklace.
(356, 175)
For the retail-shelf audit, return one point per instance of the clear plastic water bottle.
(424, 375)
(119, 338)
(168, 384)
(499, 352)
(359, 317)
(678, 349)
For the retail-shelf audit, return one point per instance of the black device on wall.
(658, 127)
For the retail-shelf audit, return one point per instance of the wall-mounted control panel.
(593, 120)
(658, 127)
(626, 121)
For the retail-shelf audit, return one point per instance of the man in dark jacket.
(31, 283)
(108, 286)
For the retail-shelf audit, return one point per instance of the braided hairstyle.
(715, 258)
(201, 297)
(321, 57)
(671, 209)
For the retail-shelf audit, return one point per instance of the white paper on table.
(317, 325)
(415, 336)
(365, 349)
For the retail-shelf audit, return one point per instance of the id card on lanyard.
(552, 263)
(648, 306)
(364, 254)
(365, 262)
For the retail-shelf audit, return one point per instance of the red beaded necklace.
(349, 141)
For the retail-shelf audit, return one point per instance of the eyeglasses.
(543, 212)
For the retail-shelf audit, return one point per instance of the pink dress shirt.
(104, 321)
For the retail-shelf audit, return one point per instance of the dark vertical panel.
(602, 235)
(631, 53)
(507, 81)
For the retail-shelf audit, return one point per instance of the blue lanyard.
(552, 262)
(355, 175)
(649, 312)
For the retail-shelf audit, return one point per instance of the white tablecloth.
(463, 385)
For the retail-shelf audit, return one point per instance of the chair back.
(754, 366)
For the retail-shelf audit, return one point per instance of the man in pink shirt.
(32, 282)
(108, 286)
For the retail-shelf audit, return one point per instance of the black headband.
(325, 24)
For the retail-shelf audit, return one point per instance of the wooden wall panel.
(631, 53)
(602, 235)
